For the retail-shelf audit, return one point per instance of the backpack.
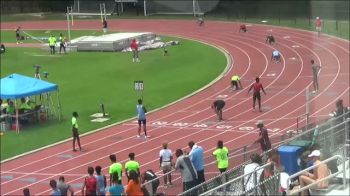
(90, 183)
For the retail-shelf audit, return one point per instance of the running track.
(192, 118)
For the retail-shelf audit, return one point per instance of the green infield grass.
(87, 79)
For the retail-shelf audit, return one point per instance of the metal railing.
(325, 137)
(320, 180)
(239, 183)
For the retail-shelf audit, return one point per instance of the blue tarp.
(16, 86)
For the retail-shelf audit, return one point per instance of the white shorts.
(318, 28)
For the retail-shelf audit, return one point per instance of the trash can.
(289, 156)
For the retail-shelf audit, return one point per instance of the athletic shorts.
(166, 166)
(220, 105)
(318, 28)
(256, 96)
(142, 121)
(105, 30)
(75, 132)
(234, 83)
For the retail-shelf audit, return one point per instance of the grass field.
(86, 79)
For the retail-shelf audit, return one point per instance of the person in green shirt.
(132, 165)
(236, 82)
(24, 105)
(221, 154)
(115, 170)
(52, 44)
(75, 131)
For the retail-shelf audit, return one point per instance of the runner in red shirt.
(257, 86)
(243, 28)
(318, 24)
(135, 51)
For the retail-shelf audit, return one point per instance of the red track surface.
(285, 84)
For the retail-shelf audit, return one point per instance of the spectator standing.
(236, 82)
(115, 189)
(55, 190)
(90, 184)
(135, 51)
(52, 44)
(321, 171)
(132, 165)
(150, 176)
(252, 169)
(276, 165)
(315, 69)
(134, 186)
(257, 87)
(187, 170)
(101, 181)
(62, 41)
(263, 139)
(197, 157)
(64, 188)
(221, 154)
(165, 163)
(115, 169)
(141, 117)
(75, 131)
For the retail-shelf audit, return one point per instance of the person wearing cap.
(235, 81)
(263, 139)
(318, 24)
(321, 171)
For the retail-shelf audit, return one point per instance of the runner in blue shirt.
(141, 117)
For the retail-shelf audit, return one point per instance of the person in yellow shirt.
(236, 82)
(221, 154)
(75, 131)
(52, 44)
(24, 105)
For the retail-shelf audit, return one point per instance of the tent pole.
(59, 105)
(17, 122)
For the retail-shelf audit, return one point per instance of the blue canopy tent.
(16, 86)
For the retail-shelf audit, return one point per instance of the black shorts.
(142, 121)
(75, 132)
(220, 105)
(234, 83)
(256, 96)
